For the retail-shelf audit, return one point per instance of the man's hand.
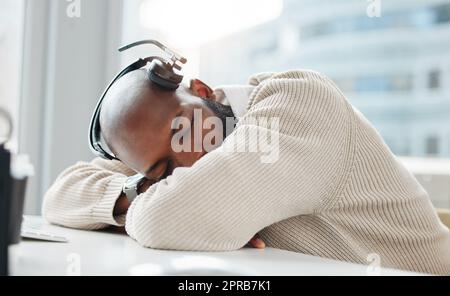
(256, 242)
(121, 206)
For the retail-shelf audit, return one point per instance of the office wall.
(67, 62)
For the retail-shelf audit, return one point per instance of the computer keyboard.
(33, 230)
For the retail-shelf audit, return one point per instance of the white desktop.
(108, 253)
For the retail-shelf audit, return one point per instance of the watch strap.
(131, 186)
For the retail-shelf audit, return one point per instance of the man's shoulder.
(290, 87)
(263, 77)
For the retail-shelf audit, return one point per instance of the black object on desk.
(5, 193)
(14, 172)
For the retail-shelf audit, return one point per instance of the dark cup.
(5, 189)
(18, 189)
(21, 169)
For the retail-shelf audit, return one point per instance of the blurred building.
(394, 68)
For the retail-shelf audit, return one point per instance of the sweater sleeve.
(234, 191)
(84, 195)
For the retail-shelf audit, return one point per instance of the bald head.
(132, 104)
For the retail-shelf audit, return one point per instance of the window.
(434, 79)
(373, 60)
(195, 23)
(432, 146)
(376, 61)
(422, 17)
(11, 22)
(382, 83)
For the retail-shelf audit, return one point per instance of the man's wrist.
(123, 202)
(144, 185)
(121, 206)
(131, 186)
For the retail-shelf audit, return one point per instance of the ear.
(201, 89)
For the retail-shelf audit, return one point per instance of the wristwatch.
(131, 186)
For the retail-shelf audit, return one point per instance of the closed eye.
(168, 171)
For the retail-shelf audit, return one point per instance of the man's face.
(143, 139)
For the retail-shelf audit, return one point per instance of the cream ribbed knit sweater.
(336, 190)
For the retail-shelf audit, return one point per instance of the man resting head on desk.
(301, 167)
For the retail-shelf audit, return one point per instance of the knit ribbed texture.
(84, 195)
(335, 191)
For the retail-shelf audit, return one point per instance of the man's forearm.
(85, 194)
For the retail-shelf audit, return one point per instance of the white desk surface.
(106, 253)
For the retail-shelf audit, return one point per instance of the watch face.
(133, 181)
